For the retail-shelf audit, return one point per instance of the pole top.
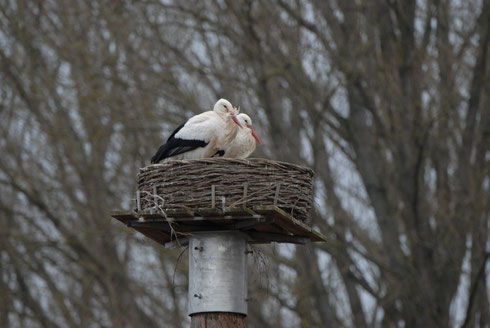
(218, 272)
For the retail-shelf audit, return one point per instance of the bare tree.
(386, 100)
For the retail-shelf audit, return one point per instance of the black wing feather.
(219, 153)
(175, 131)
(176, 146)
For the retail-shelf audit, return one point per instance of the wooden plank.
(317, 236)
(163, 225)
(253, 223)
(270, 220)
(228, 222)
(124, 216)
(130, 213)
(283, 219)
(271, 228)
(170, 213)
(289, 223)
(150, 225)
(196, 219)
(180, 213)
(204, 219)
(209, 211)
(238, 211)
(293, 225)
(198, 224)
(268, 209)
(245, 224)
(149, 215)
(157, 236)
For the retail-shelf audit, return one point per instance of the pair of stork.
(222, 132)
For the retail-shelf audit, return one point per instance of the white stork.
(202, 135)
(244, 143)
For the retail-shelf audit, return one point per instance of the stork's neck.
(230, 131)
(231, 128)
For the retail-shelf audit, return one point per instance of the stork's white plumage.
(202, 135)
(244, 143)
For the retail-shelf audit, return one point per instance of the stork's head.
(246, 121)
(224, 109)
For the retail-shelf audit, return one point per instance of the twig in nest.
(155, 200)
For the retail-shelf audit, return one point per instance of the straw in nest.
(237, 183)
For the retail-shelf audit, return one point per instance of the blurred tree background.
(387, 100)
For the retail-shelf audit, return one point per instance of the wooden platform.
(263, 224)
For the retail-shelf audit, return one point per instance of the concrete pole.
(218, 279)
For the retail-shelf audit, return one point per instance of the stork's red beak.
(233, 117)
(255, 135)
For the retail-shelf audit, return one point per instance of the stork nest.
(234, 182)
